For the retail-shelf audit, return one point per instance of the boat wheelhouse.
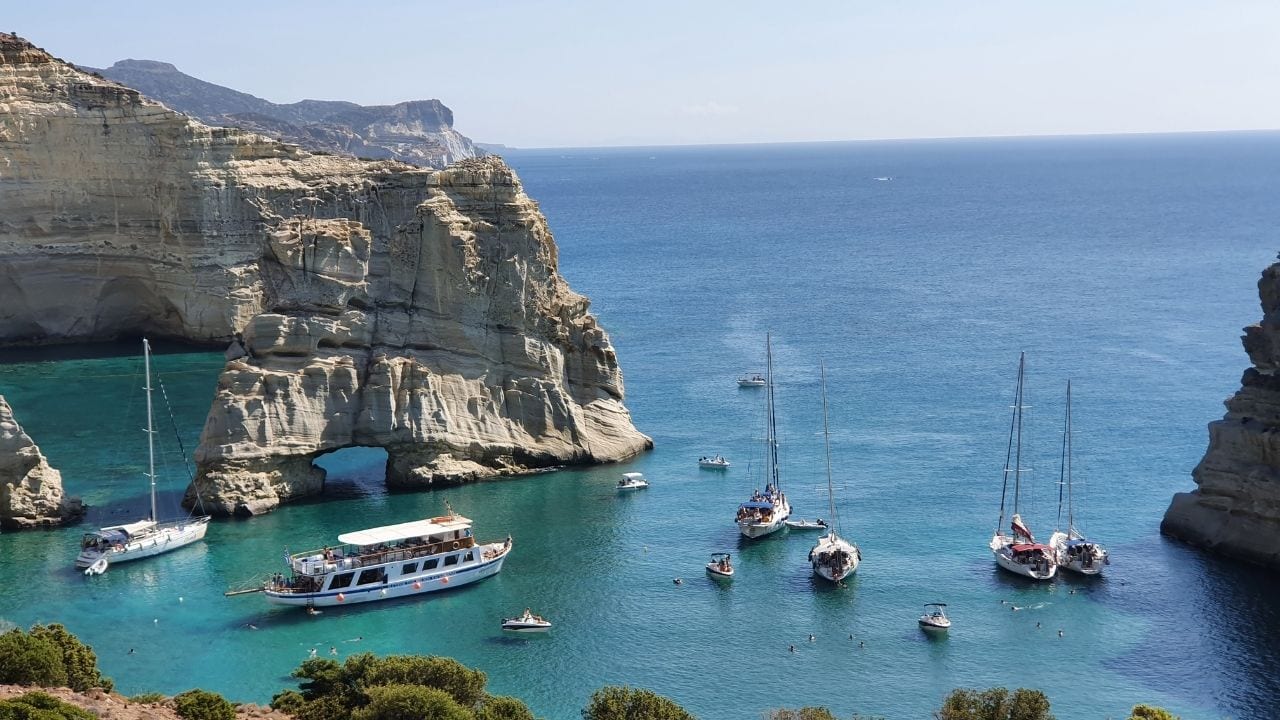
(394, 561)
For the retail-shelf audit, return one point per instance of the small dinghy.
(720, 566)
(98, 567)
(752, 380)
(818, 524)
(528, 622)
(935, 618)
(632, 481)
(714, 462)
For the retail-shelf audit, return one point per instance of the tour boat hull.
(1035, 571)
(166, 537)
(714, 570)
(834, 560)
(759, 530)
(521, 625)
(403, 586)
(930, 625)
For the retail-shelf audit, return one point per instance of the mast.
(772, 431)
(1008, 453)
(826, 438)
(1071, 522)
(1017, 466)
(151, 446)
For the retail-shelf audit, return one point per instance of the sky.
(588, 74)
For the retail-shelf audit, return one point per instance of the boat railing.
(348, 558)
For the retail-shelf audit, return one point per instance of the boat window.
(431, 564)
(435, 538)
(372, 575)
(409, 568)
(471, 556)
(450, 560)
(340, 581)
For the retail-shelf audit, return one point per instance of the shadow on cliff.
(1212, 624)
(105, 350)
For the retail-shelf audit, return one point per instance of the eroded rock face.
(367, 303)
(454, 344)
(120, 217)
(30, 490)
(1236, 508)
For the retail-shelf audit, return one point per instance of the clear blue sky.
(541, 74)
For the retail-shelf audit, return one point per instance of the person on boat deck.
(328, 554)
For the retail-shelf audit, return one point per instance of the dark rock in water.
(1236, 508)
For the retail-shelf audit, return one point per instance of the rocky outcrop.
(1236, 508)
(453, 343)
(30, 490)
(370, 303)
(419, 131)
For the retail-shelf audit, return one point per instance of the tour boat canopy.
(757, 504)
(1028, 547)
(126, 530)
(404, 531)
(633, 476)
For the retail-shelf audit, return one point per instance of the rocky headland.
(418, 131)
(1235, 509)
(30, 491)
(367, 303)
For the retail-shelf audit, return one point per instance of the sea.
(915, 273)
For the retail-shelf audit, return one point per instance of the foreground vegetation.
(408, 687)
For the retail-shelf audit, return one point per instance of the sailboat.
(766, 511)
(1071, 549)
(833, 557)
(143, 538)
(1019, 553)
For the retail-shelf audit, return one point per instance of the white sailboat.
(832, 557)
(766, 511)
(143, 538)
(1019, 553)
(1071, 549)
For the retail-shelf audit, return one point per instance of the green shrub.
(28, 660)
(411, 702)
(625, 703)
(332, 690)
(463, 684)
(1147, 712)
(78, 659)
(288, 701)
(203, 705)
(502, 707)
(994, 704)
(39, 706)
(150, 698)
(804, 713)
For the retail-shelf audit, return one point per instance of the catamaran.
(832, 557)
(766, 511)
(1019, 553)
(143, 538)
(1071, 549)
(382, 563)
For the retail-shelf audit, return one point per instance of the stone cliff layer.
(30, 491)
(1235, 509)
(369, 303)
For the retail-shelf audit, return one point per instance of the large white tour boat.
(381, 563)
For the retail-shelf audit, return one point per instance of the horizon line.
(927, 138)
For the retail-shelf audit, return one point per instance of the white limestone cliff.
(30, 491)
(369, 303)
(1235, 509)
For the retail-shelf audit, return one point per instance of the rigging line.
(181, 448)
(1008, 453)
(1063, 473)
(1017, 469)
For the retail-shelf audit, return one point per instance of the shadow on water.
(1224, 620)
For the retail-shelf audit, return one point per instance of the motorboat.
(393, 561)
(632, 481)
(527, 622)
(713, 462)
(1019, 553)
(752, 380)
(832, 557)
(1071, 549)
(818, 524)
(935, 618)
(720, 565)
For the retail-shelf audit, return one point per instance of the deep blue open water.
(1127, 264)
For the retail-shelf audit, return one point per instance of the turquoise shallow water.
(1127, 264)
